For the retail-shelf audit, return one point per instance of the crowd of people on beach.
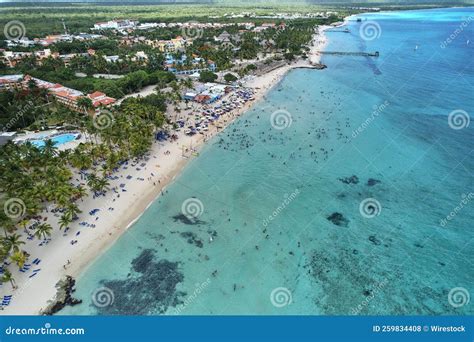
(198, 119)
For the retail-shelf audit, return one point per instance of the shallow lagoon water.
(281, 229)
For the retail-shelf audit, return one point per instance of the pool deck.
(43, 134)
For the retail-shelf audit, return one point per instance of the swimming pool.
(58, 139)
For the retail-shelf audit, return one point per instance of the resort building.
(116, 25)
(88, 36)
(112, 59)
(132, 40)
(181, 66)
(173, 45)
(11, 82)
(140, 56)
(147, 26)
(207, 93)
(99, 99)
(223, 37)
(52, 39)
(24, 42)
(64, 95)
(11, 58)
(68, 57)
(6, 137)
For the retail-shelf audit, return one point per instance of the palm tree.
(19, 258)
(72, 210)
(85, 104)
(7, 276)
(92, 181)
(6, 223)
(187, 82)
(80, 191)
(49, 148)
(13, 242)
(63, 155)
(64, 221)
(43, 230)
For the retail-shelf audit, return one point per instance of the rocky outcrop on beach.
(65, 289)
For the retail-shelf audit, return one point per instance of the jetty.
(346, 30)
(348, 53)
(318, 66)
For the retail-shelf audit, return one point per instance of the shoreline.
(146, 183)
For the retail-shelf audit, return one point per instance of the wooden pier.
(345, 53)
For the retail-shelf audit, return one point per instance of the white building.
(115, 25)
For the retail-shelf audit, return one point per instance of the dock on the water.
(346, 30)
(348, 53)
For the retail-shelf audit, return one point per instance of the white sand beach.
(119, 209)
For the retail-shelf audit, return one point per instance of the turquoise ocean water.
(342, 212)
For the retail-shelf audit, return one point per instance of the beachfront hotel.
(64, 95)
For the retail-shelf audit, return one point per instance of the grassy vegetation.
(41, 20)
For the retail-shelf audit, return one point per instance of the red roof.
(95, 95)
(107, 101)
(61, 93)
(103, 102)
(202, 98)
